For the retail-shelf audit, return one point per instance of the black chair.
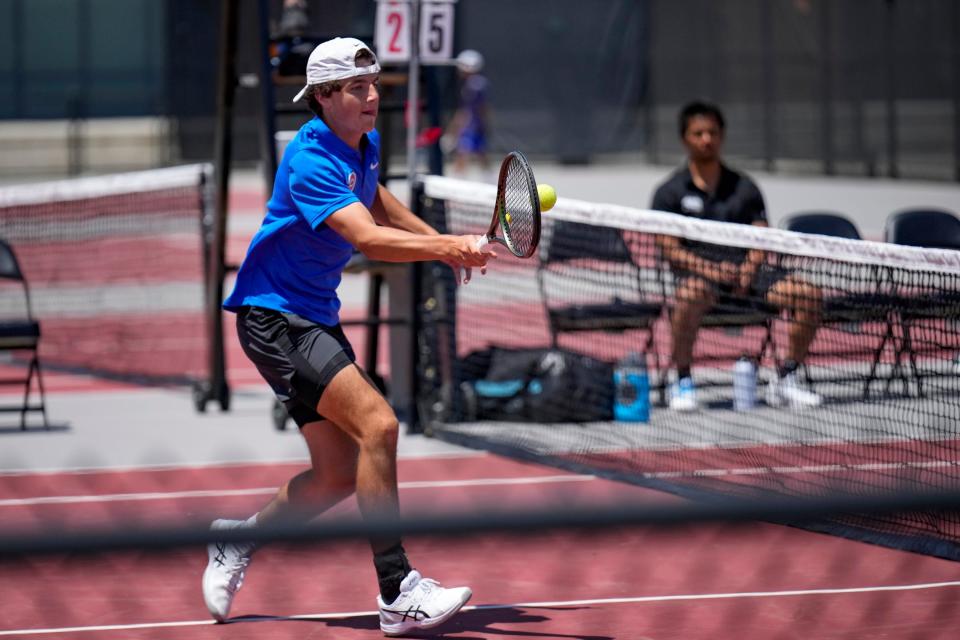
(934, 229)
(824, 223)
(873, 302)
(20, 332)
(591, 280)
(930, 228)
(732, 314)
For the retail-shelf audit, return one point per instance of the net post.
(890, 86)
(955, 45)
(216, 385)
(268, 129)
(769, 87)
(414, 424)
(413, 91)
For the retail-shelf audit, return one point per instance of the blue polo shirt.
(295, 260)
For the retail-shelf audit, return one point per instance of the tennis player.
(327, 202)
(469, 128)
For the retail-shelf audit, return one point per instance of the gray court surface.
(159, 427)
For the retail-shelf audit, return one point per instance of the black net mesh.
(530, 360)
(115, 266)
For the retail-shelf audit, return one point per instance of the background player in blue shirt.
(326, 202)
(469, 128)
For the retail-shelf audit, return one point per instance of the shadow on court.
(34, 429)
(481, 621)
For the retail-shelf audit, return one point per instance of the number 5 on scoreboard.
(436, 32)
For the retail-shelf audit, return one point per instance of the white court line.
(695, 473)
(223, 493)
(489, 607)
(821, 468)
(166, 466)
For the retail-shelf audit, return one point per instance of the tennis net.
(115, 268)
(523, 360)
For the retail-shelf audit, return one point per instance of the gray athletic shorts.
(297, 357)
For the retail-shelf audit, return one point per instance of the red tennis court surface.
(699, 581)
(181, 356)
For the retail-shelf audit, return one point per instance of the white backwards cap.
(336, 60)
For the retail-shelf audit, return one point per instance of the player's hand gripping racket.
(516, 213)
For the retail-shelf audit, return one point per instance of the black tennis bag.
(536, 385)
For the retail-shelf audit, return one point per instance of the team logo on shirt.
(691, 204)
(352, 180)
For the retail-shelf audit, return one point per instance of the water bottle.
(744, 384)
(632, 389)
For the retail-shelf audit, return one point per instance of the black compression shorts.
(297, 357)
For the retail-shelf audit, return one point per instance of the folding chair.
(20, 332)
(824, 223)
(933, 229)
(872, 304)
(590, 280)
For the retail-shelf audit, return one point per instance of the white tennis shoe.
(226, 565)
(422, 604)
(683, 395)
(788, 391)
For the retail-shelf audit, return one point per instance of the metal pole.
(768, 63)
(413, 92)
(956, 93)
(78, 102)
(217, 387)
(890, 61)
(268, 129)
(17, 19)
(650, 61)
(826, 90)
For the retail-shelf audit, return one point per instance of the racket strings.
(518, 218)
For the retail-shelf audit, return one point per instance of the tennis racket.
(516, 214)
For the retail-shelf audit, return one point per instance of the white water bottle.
(744, 384)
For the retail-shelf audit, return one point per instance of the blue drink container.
(632, 389)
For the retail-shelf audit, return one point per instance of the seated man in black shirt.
(705, 188)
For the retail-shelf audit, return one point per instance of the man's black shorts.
(297, 357)
(764, 279)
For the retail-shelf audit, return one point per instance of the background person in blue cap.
(469, 129)
(326, 202)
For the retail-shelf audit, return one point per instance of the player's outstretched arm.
(356, 224)
(388, 211)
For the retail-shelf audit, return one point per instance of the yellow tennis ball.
(548, 197)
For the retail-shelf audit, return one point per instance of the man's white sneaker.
(683, 395)
(788, 391)
(422, 604)
(226, 565)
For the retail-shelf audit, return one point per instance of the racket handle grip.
(482, 243)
